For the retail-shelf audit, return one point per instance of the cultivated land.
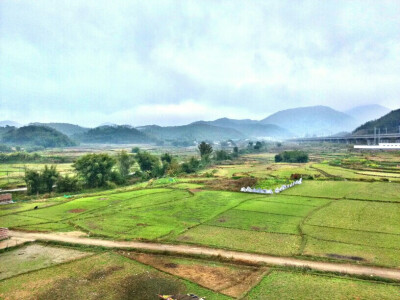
(346, 210)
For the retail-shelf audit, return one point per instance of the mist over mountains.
(288, 123)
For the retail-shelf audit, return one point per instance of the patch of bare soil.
(230, 280)
(195, 190)
(230, 184)
(76, 210)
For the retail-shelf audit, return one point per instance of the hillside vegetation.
(113, 135)
(34, 135)
(192, 132)
(391, 121)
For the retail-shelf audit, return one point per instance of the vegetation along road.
(240, 256)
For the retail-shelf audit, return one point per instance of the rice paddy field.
(338, 214)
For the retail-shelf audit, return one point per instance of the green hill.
(66, 128)
(34, 135)
(113, 135)
(391, 121)
(191, 132)
(250, 128)
(312, 120)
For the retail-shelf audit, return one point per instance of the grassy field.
(286, 285)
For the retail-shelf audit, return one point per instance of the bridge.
(365, 139)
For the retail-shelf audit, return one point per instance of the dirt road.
(194, 250)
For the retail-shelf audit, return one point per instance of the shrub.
(67, 184)
(295, 156)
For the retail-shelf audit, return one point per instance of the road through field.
(195, 250)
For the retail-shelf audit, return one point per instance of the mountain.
(191, 132)
(250, 128)
(113, 135)
(312, 120)
(34, 135)
(66, 128)
(9, 123)
(367, 113)
(391, 122)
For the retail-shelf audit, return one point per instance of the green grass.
(286, 285)
(257, 221)
(377, 191)
(359, 215)
(165, 219)
(372, 255)
(243, 240)
(298, 210)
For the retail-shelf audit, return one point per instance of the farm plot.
(355, 230)
(228, 279)
(285, 209)
(160, 220)
(376, 191)
(243, 240)
(33, 257)
(103, 276)
(288, 285)
(257, 221)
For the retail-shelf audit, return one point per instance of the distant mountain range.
(295, 122)
(367, 113)
(389, 122)
(250, 128)
(312, 120)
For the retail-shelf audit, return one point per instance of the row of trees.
(295, 156)
(99, 170)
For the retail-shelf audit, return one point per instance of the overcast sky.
(174, 62)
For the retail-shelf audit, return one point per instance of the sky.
(175, 62)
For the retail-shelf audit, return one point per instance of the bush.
(222, 155)
(292, 157)
(67, 184)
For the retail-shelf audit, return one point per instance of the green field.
(285, 285)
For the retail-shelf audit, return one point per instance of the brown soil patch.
(195, 190)
(230, 184)
(222, 220)
(76, 210)
(230, 280)
(142, 224)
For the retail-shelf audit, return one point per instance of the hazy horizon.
(172, 63)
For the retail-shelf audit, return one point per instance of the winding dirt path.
(195, 250)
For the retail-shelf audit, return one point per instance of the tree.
(95, 169)
(124, 163)
(67, 184)
(41, 181)
(32, 180)
(48, 178)
(191, 166)
(258, 145)
(148, 163)
(292, 157)
(135, 150)
(205, 150)
(166, 158)
(222, 155)
(235, 151)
